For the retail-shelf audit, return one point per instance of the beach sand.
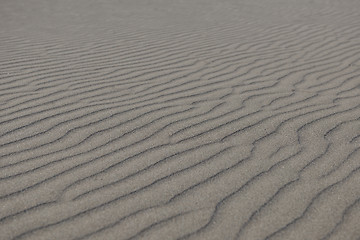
(160, 119)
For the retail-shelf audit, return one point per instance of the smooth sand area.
(160, 119)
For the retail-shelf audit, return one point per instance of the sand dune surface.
(157, 119)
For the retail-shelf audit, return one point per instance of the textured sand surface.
(158, 119)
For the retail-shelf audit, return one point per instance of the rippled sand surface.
(157, 119)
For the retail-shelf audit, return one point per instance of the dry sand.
(158, 119)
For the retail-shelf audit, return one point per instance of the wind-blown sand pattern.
(185, 119)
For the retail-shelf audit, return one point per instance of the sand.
(160, 119)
